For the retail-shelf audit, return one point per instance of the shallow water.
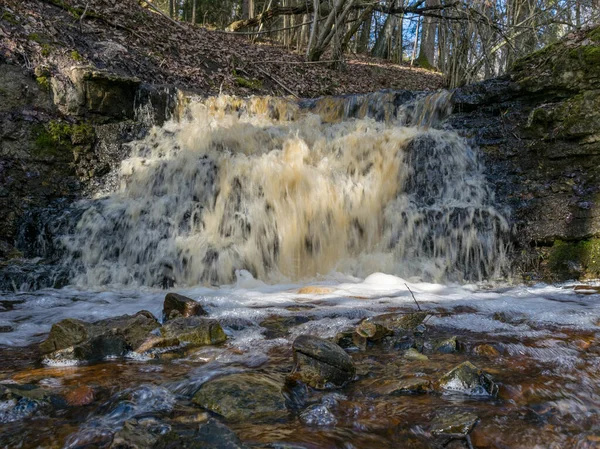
(545, 361)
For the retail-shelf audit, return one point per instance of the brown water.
(547, 373)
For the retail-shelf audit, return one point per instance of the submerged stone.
(194, 331)
(320, 363)
(467, 379)
(210, 435)
(453, 424)
(240, 397)
(176, 305)
(394, 387)
(318, 415)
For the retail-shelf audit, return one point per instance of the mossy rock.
(240, 397)
(568, 260)
(61, 139)
(194, 331)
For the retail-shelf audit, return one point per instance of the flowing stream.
(280, 218)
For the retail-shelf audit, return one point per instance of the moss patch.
(250, 84)
(575, 259)
(44, 82)
(59, 138)
(595, 35)
(75, 56)
(10, 18)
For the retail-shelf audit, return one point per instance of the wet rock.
(391, 387)
(450, 425)
(447, 346)
(83, 395)
(194, 331)
(467, 379)
(76, 340)
(156, 343)
(278, 326)
(413, 354)
(239, 397)
(139, 434)
(394, 323)
(351, 340)
(18, 402)
(373, 331)
(487, 350)
(320, 363)
(318, 415)
(176, 305)
(210, 435)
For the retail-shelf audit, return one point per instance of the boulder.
(240, 397)
(320, 363)
(176, 305)
(467, 379)
(76, 340)
(194, 331)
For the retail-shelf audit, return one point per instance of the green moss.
(10, 18)
(250, 84)
(75, 56)
(36, 37)
(59, 138)
(595, 35)
(537, 56)
(44, 82)
(46, 49)
(568, 259)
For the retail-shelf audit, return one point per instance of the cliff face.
(539, 128)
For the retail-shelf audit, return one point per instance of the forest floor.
(129, 40)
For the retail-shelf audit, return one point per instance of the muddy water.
(540, 344)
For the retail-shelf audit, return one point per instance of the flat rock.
(240, 397)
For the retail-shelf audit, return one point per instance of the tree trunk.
(365, 33)
(381, 47)
(194, 6)
(426, 57)
(171, 9)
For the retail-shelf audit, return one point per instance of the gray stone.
(194, 331)
(467, 379)
(320, 363)
(176, 305)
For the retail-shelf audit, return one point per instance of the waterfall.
(291, 190)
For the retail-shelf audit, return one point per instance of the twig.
(82, 17)
(413, 296)
(287, 89)
(155, 9)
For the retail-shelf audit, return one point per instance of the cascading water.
(290, 191)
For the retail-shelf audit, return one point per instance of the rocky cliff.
(539, 128)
